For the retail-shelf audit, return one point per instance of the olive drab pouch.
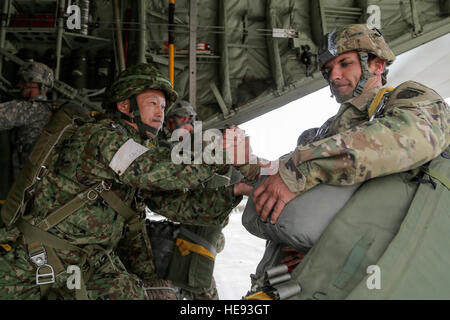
(162, 235)
(184, 254)
(62, 125)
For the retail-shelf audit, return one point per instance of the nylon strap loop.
(118, 205)
(376, 101)
(260, 295)
(438, 176)
(70, 207)
(186, 247)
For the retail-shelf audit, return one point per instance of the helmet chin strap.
(142, 127)
(366, 73)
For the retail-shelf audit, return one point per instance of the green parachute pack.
(62, 125)
(390, 241)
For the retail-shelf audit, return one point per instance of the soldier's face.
(29, 89)
(173, 122)
(151, 105)
(344, 73)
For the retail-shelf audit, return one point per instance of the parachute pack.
(62, 125)
(389, 241)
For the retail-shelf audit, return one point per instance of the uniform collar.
(39, 98)
(362, 101)
(132, 133)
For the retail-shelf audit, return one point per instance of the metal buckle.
(94, 193)
(93, 196)
(40, 173)
(45, 278)
(40, 260)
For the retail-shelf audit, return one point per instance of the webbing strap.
(260, 295)
(189, 235)
(376, 101)
(118, 205)
(70, 207)
(353, 261)
(76, 203)
(34, 234)
(187, 247)
(438, 176)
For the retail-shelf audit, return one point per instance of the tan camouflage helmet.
(37, 72)
(354, 37)
(138, 78)
(182, 108)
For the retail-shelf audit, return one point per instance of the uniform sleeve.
(148, 168)
(11, 116)
(134, 251)
(414, 130)
(199, 207)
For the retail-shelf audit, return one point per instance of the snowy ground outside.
(238, 259)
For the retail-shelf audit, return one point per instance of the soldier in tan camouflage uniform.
(27, 117)
(408, 127)
(119, 154)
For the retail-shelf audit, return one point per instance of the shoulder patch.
(125, 156)
(409, 93)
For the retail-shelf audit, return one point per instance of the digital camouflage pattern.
(414, 128)
(182, 109)
(137, 79)
(28, 118)
(122, 255)
(37, 72)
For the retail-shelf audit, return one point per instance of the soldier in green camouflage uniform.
(182, 116)
(411, 129)
(27, 117)
(120, 153)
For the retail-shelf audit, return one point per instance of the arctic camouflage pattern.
(123, 261)
(414, 129)
(28, 117)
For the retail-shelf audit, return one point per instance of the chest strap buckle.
(44, 272)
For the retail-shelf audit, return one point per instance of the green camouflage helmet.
(354, 37)
(182, 108)
(137, 79)
(37, 72)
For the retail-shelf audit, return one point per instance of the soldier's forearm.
(404, 140)
(198, 207)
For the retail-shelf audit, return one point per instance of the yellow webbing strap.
(6, 247)
(187, 247)
(260, 295)
(376, 101)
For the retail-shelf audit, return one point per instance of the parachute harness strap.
(379, 102)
